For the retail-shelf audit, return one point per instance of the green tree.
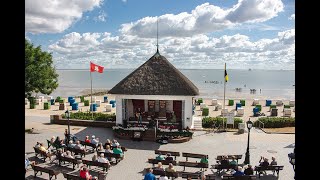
(40, 75)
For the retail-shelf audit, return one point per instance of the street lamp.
(247, 158)
(67, 113)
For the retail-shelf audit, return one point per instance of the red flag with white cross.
(94, 67)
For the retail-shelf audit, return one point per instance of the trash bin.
(105, 99)
(274, 112)
(86, 103)
(46, 105)
(93, 107)
(75, 106)
(255, 111)
(231, 102)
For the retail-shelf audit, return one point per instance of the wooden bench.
(192, 164)
(70, 176)
(89, 163)
(82, 152)
(164, 162)
(259, 169)
(192, 175)
(67, 159)
(40, 169)
(237, 157)
(245, 177)
(173, 153)
(211, 177)
(122, 148)
(168, 174)
(85, 144)
(112, 155)
(53, 145)
(192, 155)
(43, 154)
(220, 167)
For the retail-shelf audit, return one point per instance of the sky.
(192, 34)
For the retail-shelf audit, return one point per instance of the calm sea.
(274, 84)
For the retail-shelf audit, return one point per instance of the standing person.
(149, 175)
(260, 91)
(139, 116)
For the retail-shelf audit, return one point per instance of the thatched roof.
(157, 76)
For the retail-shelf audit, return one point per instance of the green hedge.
(88, 116)
(276, 122)
(205, 112)
(207, 122)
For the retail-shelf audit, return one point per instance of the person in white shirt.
(94, 140)
(102, 159)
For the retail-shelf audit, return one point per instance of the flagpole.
(91, 92)
(224, 93)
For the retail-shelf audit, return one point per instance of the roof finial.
(157, 36)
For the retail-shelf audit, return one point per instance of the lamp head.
(249, 124)
(67, 113)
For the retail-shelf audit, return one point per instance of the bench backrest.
(117, 156)
(245, 177)
(95, 163)
(230, 157)
(222, 166)
(81, 151)
(173, 153)
(192, 155)
(193, 164)
(164, 162)
(72, 176)
(168, 174)
(210, 177)
(263, 168)
(196, 175)
(88, 144)
(68, 159)
(45, 170)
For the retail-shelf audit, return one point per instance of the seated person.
(94, 140)
(149, 175)
(248, 170)
(59, 142)
(94, 158)
(224, 161)
(84, 173)
(108, 150)
(238, 172)
(69, 155)
(87, 139)
(169, 158)
(159, 157)
(43, 149)
(264, 162)
(163, 177)
(71, 144)
(115, 143)
(100, 147)
(170, 168)
(78, 145)
(273, 162)
(52, 140)
(233, 161)
(118, 150)
(27, 162)
(37, 145)
(204, 160)
(159, 167)
(102, 159)
(108, 142)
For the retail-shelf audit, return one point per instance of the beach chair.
(287, 112)
(255, 102)
(41, 98)
(218, 106)
(279, 103)
(292, 103)
(240, 112)
(108, 107)
(98, 102)
(214, 102)
(224, 112)
(38, 101)
(202, 105)
(49, 98)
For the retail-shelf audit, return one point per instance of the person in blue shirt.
(239, 172)
(149, 175)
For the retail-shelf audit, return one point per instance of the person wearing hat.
(94, 140)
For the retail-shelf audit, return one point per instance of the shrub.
(32, 105)
(207, 122)
(88, 116)
(81, 98)
(200, 100)
(205, 111)
(276, 122)
(86, 102)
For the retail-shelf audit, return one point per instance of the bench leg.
(35, 173)
(50, 177)
(73, 165)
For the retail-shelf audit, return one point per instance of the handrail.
(260, 122)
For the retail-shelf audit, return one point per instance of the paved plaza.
(132, 167)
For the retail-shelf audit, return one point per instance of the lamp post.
(67, 113)
(247, 158)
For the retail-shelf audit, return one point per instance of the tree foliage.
(40, 75)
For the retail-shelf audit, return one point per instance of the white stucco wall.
(187, 105)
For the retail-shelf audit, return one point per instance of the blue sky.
(197, 34)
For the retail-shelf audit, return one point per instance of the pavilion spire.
(157, 35)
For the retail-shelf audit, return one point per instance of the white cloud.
(292, 17)
(47, 16)
(101, 17)
(198, 51)
(205, 18)
(124, 1)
